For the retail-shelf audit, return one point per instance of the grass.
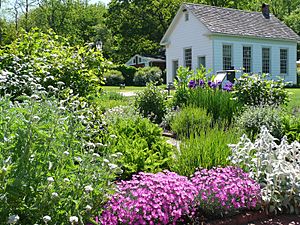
(127, 88)
(294, 104)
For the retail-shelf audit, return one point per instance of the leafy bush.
(225, 191)
(127, 72)
(49, 166)
(275, 167)
(163, 198)
(257, 90)
(207, 149)
(254, 117)
(151, 103)
(181, 95)
(146, 75)
(47, 60)
(291, 127)
(190, 121)
(113, 78)
(140, 142)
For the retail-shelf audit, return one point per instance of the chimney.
(265, 10)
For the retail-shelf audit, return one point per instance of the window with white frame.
(174, 68)
(247, 59)
(283, 61)
(201, 61)
(227, 57)
(188, 58)
(266, 60)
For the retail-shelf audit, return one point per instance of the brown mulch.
(257, 218)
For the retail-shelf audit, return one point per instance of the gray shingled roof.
(242, 23)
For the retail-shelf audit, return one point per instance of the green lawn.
(126, 89)
(295, 98)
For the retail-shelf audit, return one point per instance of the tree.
(138, 25)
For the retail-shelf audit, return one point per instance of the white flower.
(66, 180)
(46, 219)
(106, 160)
(96, 155)
(88, 189)
(54, 195)
(78, 159)
(113, 136)
(112, 166)
(88, 207)
(34, 97)
(73, 219)
(4, 170)
(66, 153)
(50, 179)
(13, 219)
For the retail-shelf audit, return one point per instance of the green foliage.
(108, 100)
(128, 72)
(257, 90)
(254, 117)
(190, 121)
(49, 166)
(140, 142)
(293, 20)
(151, 103)
(218, 103)
(181, 95)
(146, 75)
(206, 149)
(49, 59)
(113, 78)
(291, 127)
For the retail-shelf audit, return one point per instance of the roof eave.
(255, 37)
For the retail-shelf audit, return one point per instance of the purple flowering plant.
(162, 198)
(225, 191)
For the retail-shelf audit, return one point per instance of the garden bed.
(256, 218)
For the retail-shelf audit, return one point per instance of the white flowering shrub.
(53, 169)
(275, 166)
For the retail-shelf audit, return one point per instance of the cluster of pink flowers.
(167, 198)
(226, 190)
(162, 198)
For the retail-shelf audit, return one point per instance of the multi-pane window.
(247, 59)
(201, 61)
(227, 57)
(266, 60)
(188, 58)
(175, 67)
(283, 61)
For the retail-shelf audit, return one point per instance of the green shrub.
(218, 103)
(291, 127)
(108, 100)
(190, 121)
(151, 103)
(49, 166)
(257, 90)
(47, 60)
(113, 78)
(206, 149)
(140, 142)
(127, 72)
(254, 117)
(146, 75)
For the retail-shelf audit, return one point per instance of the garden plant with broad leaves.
(274, 166)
